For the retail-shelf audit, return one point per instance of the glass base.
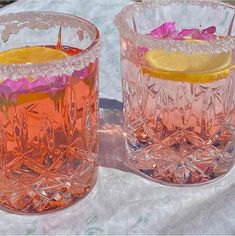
(182, 164)
(53, 194)
(168, 167)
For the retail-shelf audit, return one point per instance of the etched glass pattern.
(48, 114)
(177, 132)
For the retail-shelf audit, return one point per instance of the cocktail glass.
(177, 59)
(48, 110)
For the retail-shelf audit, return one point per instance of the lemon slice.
(194, 68)
(31, 55)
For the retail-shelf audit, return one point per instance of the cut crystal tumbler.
(177, 59)
(48, 110)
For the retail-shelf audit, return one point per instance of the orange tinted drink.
(47, 133)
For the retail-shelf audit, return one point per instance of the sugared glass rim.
(210, 47)
(56, 67)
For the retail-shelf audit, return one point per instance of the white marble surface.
(121, 202)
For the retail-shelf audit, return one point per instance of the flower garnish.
(47, 84)
(168, 31)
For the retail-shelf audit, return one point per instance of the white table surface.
(121, 202)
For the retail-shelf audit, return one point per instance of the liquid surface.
(47, 134)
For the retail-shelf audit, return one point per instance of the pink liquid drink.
(178, 90)
(48, 112)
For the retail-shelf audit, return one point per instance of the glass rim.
(55, 67)
(209, 47)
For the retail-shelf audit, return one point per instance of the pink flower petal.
(20, 85)
(6, 94)
(49, 83)
(168, 31)
(189, 33)
(165, 30)
(81, 74)
(42, 84)
(207, 36)
(5, 90)
(209, 30)
(142, 50)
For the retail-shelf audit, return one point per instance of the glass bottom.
(182, 164)
(167, 167)
(55, 196)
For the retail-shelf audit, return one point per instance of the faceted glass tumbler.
(48, 110)
(177, 59)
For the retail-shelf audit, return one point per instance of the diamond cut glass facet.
(48, 112)
(179, 94)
